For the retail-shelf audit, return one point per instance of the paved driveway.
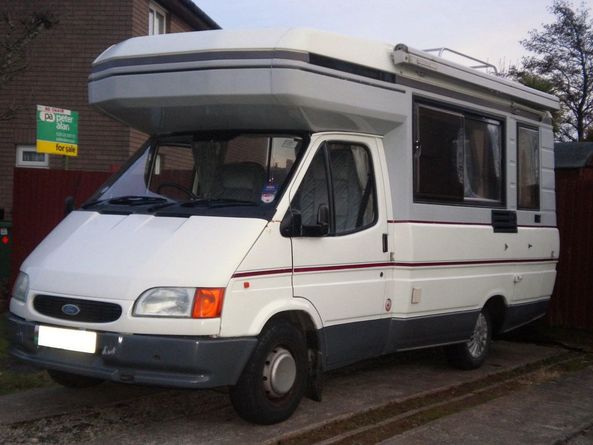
(138, 415)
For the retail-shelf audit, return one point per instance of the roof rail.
(482, 64)
(416, 63)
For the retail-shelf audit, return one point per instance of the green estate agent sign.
(57, 131)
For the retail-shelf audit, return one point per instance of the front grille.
(89, 311)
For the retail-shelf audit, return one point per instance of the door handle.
(385, 242)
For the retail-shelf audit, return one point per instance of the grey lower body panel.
(420, 332)
(523, 313)
(186, 362)
(351, 342)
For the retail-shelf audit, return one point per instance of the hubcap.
(477, 344)
(279, 372)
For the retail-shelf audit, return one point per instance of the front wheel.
(274, 380)
(471, 354)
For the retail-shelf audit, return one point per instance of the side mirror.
(291, 224)
(323, 219)
(322, 226)
(68, 205)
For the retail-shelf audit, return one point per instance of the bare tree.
(15, 38)
(563, 65)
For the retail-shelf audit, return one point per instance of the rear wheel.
(73, 380)
(274, 380)
(471, 354)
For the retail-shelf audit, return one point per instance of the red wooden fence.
(572, 302)
(38, 204)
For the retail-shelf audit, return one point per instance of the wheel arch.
(303, 321)
(496, 306)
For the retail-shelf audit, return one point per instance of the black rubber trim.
(351, 68)
(200, 57)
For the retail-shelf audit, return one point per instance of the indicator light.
(208, 302)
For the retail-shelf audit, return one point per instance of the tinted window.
(457, 157)
(527, 168)
(438, 155)
(313, 191)
(347, 188)
(353, 186)
(482, 160)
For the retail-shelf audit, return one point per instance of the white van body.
(406, 247)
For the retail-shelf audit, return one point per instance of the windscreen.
(190, 174)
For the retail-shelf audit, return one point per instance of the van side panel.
(448, 259)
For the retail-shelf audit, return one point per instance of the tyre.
(73, 380)
(471, 354)
(274, 379)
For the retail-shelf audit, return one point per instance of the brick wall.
(140, 15)
(59, 65)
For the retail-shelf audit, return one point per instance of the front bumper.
(174, 361)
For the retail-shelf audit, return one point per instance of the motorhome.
(304, 201)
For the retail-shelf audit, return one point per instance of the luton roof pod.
(284, 78)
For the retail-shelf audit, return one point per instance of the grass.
(15, 376)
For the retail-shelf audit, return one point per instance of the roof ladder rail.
(481, 63)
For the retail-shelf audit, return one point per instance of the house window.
(157, 19)
(457, 157)
(527, 168)
(27, 157)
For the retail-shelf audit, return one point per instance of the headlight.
(186, 302)
(165, 302)
(21, 287)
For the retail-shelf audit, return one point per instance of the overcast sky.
(487, 29)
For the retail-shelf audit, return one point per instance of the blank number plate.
(68, 339)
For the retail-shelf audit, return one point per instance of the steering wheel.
(181, 188)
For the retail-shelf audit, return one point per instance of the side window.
(458, 157)
(527, 168)
(353, 186)
(341, 178)
(483, 161)
(438, 155)
(313, 191)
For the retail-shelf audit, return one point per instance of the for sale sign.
(57, 131)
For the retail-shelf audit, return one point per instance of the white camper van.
(304, 201)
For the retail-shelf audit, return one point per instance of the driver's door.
(340, 257)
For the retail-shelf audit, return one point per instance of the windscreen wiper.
(218, 202)
(130, 200)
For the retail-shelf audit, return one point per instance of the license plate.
(68, 339)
